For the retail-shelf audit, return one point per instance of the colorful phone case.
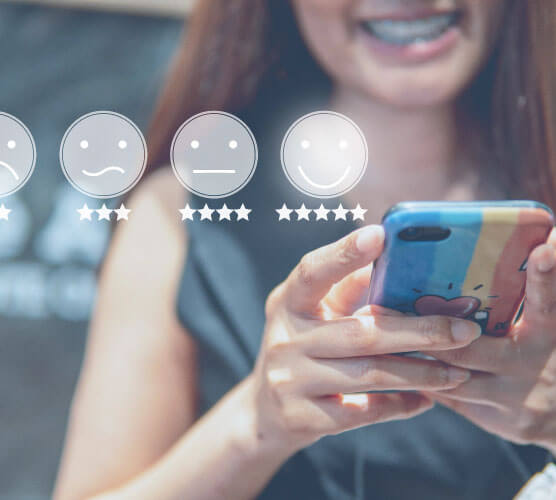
(477, 272)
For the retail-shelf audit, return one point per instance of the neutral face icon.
(103, 154)
(214, 154)
(18, 154)
(324, 154)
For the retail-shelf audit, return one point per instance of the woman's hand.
(316, 348)
(512, 393)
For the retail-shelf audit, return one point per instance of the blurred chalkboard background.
(56, 65)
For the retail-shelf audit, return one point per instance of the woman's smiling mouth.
(411, 31)
(413, 37)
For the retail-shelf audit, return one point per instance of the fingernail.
(463, 331)
(458, 374)
(546, 263)
(368, 238)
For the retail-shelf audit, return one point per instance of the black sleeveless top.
(231, 267)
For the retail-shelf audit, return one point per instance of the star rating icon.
(85, 213)
(321, 213)
(243, 213)
(122, 212)
(359, 213)
(340, 213)
(103, 212)
(206, 213)
(303, 213)
(4, 212)
(284, 213)
(225, 213)
(187, 213)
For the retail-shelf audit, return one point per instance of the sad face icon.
(17, 154)
(324, 154)
(103, 154)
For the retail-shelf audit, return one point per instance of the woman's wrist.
(225, 440)
(253, 438)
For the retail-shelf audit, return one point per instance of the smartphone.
(461, 259)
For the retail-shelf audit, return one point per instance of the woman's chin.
(435, 81)
(411, 96)
(416, 98)
(417, 88)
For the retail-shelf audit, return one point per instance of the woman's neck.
(413, 154)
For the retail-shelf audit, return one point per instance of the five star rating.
(206, 213)
(321, 213)
(102, 213)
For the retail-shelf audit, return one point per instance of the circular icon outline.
(33, 161)
(140, 173)
(253, 167)
(290, 130)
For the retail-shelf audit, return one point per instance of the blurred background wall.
(159, 7)
(56, 65)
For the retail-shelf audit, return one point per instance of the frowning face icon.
(324, 154)
(103, 154)
(17, 154)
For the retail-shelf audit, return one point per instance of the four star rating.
(206, 213)
(321, 213)
(102, 213)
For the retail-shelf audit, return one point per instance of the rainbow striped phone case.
(463, 259)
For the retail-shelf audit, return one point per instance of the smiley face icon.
(214, 154)
(324, 154)
(18, 154)
(103, 154)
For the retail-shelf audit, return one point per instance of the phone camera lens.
(424, 234)
(411, 233)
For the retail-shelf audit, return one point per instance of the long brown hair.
(235, 48)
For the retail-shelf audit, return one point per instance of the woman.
(456, 101)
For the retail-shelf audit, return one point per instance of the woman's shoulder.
(154, 232)
(160, 192)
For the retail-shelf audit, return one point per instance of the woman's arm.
(136, 394)
(136, 391)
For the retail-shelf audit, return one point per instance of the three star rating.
(85, 213)
(321, 213)
(224, 213)
(103, 213)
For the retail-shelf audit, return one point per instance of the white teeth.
(403, 32)
(481, 315)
